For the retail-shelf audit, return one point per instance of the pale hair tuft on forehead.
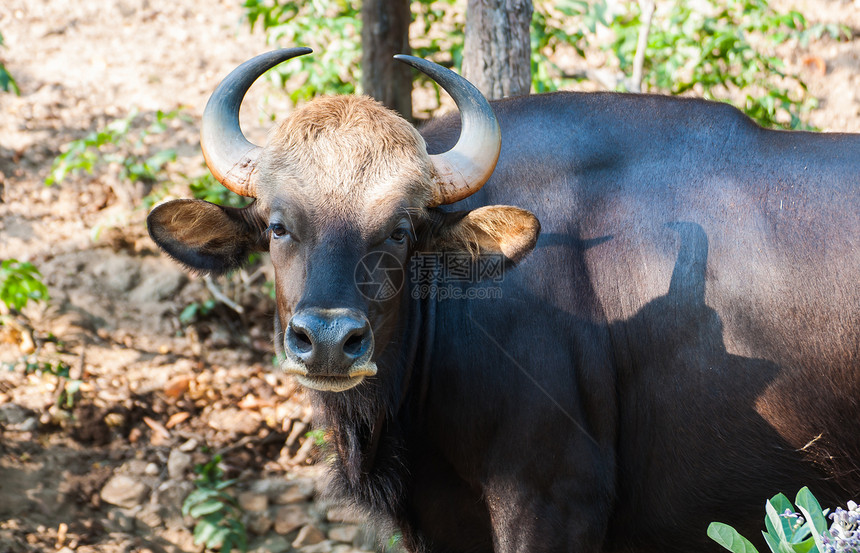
(346, 149)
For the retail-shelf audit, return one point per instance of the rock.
(341, 513)
(289, 518)
(13, 414)
(235, 420)
(322, 547)
(308, 535)
(253, 501)
(177, 463)
(258, 522)
(134, 467)
(296, 491)
(343, 533)
(345, 549)
(124, 491)
(169, 497)
(189, 446)
(120, 521)
(272, 544)
(151, 469)
(148, 517)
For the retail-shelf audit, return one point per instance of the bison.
(650, 318)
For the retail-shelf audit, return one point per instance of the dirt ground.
(98, 444)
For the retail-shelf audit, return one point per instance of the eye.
(278, 230)
(399, 235)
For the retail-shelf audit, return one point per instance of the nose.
(328, 341)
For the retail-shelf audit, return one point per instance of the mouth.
(330, 383)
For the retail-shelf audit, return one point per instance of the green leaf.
(812, 512)
(729, 538)
(804, 547)
(777, 524)
(206, 508)
(773, 542)
(203, 531)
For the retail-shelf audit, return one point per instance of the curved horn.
(462, 170)
(229, 155)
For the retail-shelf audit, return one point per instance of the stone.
(120, 521)
(341, 513)
(253, 501)
(235, 420)
(344, 533)
(322, 547)
(169, 497)
(12, 413)
(308, 535)
(177, 463)
(271, 544)
(149, 517)
(124, 491)
(189, 446)
(289, 518)
(296, 491)
(258, 523)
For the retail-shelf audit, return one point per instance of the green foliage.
(331, 27)
(217, 512)
(196, 310)
(7, 82)
(122, 142)
(205, 187)
(714, 49)
(785, 530)
(318, 436)
(20, 282)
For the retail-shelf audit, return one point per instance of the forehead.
(345, 158)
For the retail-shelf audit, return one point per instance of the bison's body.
(682, 343)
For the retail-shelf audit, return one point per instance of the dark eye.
(399, 235)
(278, 230)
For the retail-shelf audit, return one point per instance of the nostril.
(354, 344)
(301, 342)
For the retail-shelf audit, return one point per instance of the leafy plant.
(20, 282)
(205, 187)
(7, 82)
(196, 310)
(787, 531)
(318, 436)
(217, 512)
(714, 48)
(331, 27)
(121, 142)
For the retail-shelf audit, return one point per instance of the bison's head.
(342, 183)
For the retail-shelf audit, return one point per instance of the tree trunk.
(385, 32)
(497, 52)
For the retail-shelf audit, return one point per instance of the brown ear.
(205, 236)
(494, 229)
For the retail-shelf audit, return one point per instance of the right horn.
(230, 156)
(462, 170)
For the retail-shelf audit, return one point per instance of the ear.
(494, 229)
(205, 236)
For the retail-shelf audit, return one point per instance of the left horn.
(462, 170)
(230, 156)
